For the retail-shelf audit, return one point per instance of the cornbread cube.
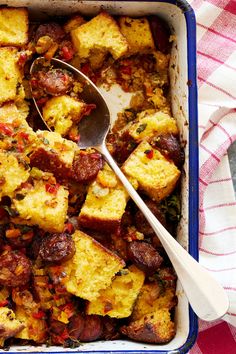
(60, 112)
(91, 269)
(118, 299)
(153, 297)
(13, 26)
(156, 176)
(21, 138)
(9, 113)
(34, 328)
(101, 33)
(52, 141)
(9, 74)
(147, 126)
(9, 325)
(155, 327)
(43, 207)
(12, 174)
(105, 203)
(137, 33)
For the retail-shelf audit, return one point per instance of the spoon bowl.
(207, 298)
(93, 128)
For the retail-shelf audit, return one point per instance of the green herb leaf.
(20, 196)
(141, 128)
(12, 212)
(45, 141)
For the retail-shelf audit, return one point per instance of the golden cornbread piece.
(9, 325)
(12, 174)
(60, 112)
(44, 205)
(153, 297)
(91, 269)
(156, 327)
(147, 126)
(137, 33)
(9, 74)
(17, 135)
(105, 202)
(34, 329)
(52, 141)
(13, 26)
(118, 299)
(100, 33)
(156, 176)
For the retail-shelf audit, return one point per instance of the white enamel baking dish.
(181, 20)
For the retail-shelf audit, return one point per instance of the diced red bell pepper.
(69, 228)
(3, 303)
(67, 53)
(6, 129)
(149, 154)
(52, 188)
(39, 315)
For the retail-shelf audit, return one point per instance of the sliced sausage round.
(76, 326)
(52, 29)
(86, 167)
(93, 329)
(170, 147)
(55, 82)
(57, 248)
(15, 268)
(144, 256)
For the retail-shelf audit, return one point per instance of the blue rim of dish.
(193, 180)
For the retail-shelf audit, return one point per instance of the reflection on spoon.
(207, 298)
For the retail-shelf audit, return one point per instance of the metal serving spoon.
(207, 298)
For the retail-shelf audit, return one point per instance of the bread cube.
(105, 202)
(91, 269)
(156, 176)
(52, 141)
(156, 327)
(147, 126)
(21, 138)
(44, 205)
(153, 297)
(100, 33)
(34, 328)
(137, 33)
(12, 174)
(118, 299)
(60, 112)
(13, 26)
(9, 74)
(9, 325)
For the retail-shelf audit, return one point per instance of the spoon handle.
(207, 297)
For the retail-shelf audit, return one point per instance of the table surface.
(232, 160)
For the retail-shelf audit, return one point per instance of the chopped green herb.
(141, 128)
(19, 196)
(12, 212)
(45, 141)
(172, 208)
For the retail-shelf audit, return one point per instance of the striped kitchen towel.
(216, 54)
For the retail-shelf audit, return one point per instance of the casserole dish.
(181, 20)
